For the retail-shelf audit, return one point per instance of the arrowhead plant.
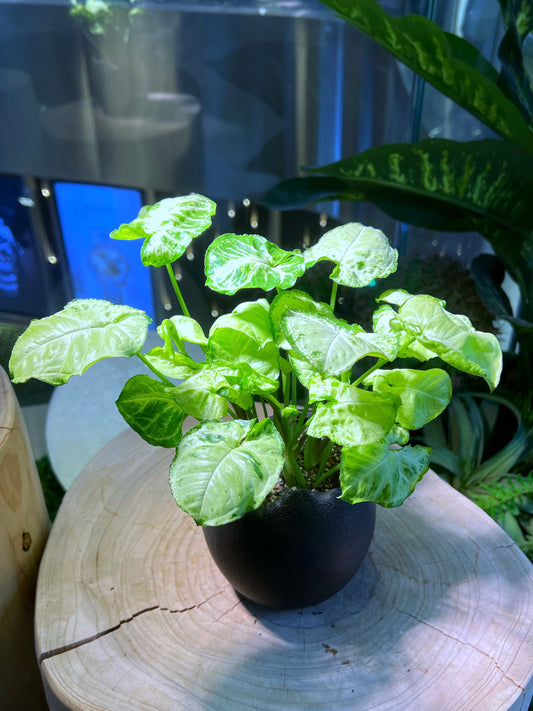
(287, 392)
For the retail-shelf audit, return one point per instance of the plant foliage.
(291, 357)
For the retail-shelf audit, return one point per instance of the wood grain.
(24, 527)
(133, 614)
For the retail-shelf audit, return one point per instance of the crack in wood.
(468, 644)
(86, 640)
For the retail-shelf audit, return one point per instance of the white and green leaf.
(171, 364)
(168, 227)
(249, 317)
(234, 262)
(228, 345)
(361, 254)
(352, 416)
(375, 472)
(199, 395)
(293, 300)
(181, 328)
(331, 346)
(452, 337)
(150, 409)
(55, 348)
(424, 394)
(224, 469)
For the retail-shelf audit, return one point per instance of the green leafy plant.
(483, 185)
(481, 447)
(97, 17)
(288, 394)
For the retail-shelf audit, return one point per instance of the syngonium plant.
(275, 397)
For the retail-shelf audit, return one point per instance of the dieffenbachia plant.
(453, 185)
(276, 392)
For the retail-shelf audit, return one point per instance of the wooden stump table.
(133, 614)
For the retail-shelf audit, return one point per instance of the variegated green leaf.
(245, 336)
(353, 416)
(168, 227)
(330, 345)
(151, 410)
(228, 345)
(518, 16)
(424, 393)
(55, 348)
(296, 301)
(224, 469)
(181, 328)
(199, 395)
(481, 186)
(421, 45)
(361, 254)
(408, 347)
(250, 317)
(452, 337)
(239, 381)
(234, 262)
(375, 472)
(171, 364)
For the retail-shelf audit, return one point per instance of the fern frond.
(504, 496)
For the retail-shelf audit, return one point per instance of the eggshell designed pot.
(295, 551)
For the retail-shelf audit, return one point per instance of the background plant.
(448, 185)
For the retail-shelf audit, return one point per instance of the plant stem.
(154, 369)
(177, 290)
(333, 298)
(325, 475)
(376, 366)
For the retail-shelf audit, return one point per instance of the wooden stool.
(132, 613)
(24, 527)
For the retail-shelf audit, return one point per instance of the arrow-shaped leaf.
(234, 262)
(150, 409)
(224, 469)
(168, 227)
(361, 254)
(55, 348)
(376, 472)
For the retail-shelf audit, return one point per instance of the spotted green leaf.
(361, 254)
(330, 345)
(234, 262)
(245, 336)
(439, 58)
(168, 227)
(224, 469)
(55, 348)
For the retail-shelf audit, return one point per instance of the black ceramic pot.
(296, 551)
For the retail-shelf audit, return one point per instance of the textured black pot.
(296, 551)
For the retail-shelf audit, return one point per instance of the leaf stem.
(177, 290)
(325, 475)
(376, 366)
(154, 369)
(333, 298)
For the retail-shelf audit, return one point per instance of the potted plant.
(302, 419)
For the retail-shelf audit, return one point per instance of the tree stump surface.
(24, 527)
(133, 614)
